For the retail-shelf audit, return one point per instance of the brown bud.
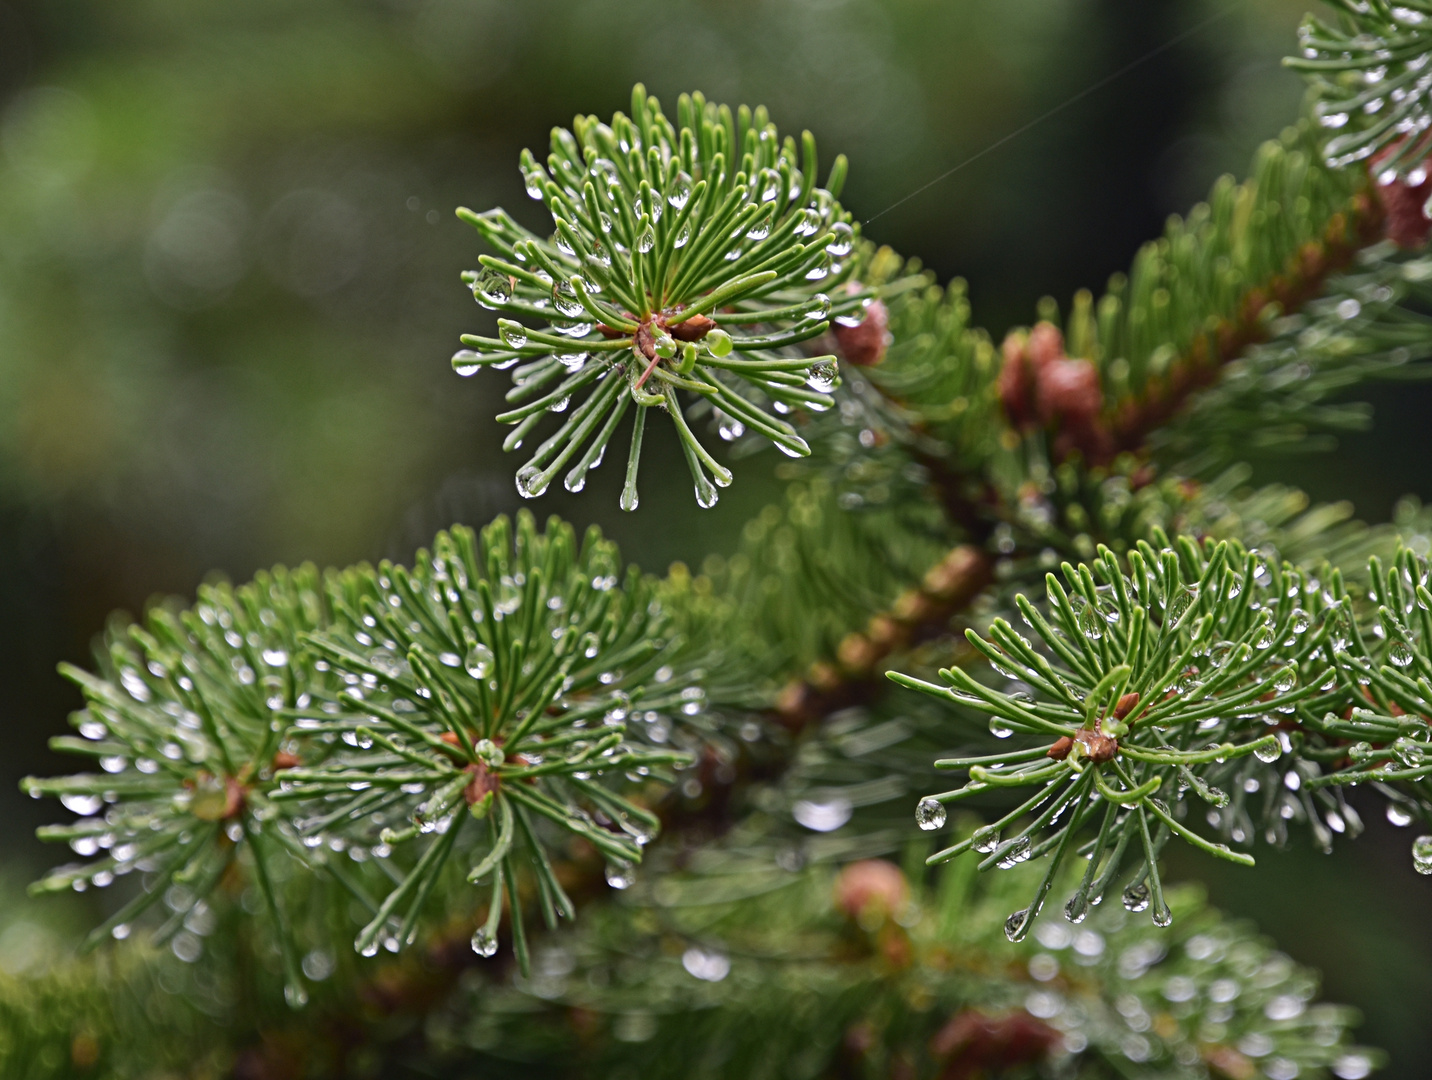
(611, 333)
(449, 738)
(974, 1044)
(865, 343)
(482, 783)
(1406, 222)
(1046, 344)
(1098, 747)
(284, 760)
(1126, 705)
(1059, 750)
(871, 885)
(692, 329)
(646, 341)
(1229, 1063)
(1069, 390)
(1014, 383)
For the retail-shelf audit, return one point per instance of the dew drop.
(514, 335)
(646, 240)
(483, 943)
(1017, 925)
(478, 661)
(929, 814)
(1422, 854)
(1136, 897)
(620, 874)
(999, 729)
(492, 289)
(1162, 916)
(1400, 654)
(1398, 815)
(841, 239)
(1268, 752)
(1016, 853)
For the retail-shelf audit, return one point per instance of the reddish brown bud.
(611, 333)
(974, 1044)
(1098, 747)
(1046, 344)
(693, 329)
(871, 885)
(646, 341)
(449, 738)
(1060, 748)
(1404, 203)
(481, 784)
(1069, 390)
(284, 760)
(1014, 383)
(1126, 705)
(865, 343)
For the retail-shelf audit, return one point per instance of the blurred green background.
(229, 291)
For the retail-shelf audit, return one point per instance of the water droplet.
(1400, 654)
(620, 874)
(492, 289)
(1268, 752)
(1179, 604)
(730, 430)
(1016, 853)
(1300, 621)
(929, 814)
(570, 360)
(1408, 752)
(646, 240)
(533, 181)
(1017, 925)
(1087, 619)
(1422, 854)
(822, 816)
(679, 192)
(1286, 679)
(295, 995)
(824, 377)
(478, 661)
(841, 239)
(1264, 637)
(514, 335)
(84, 805)
(999, 729)
(483, 943)
(1077, 908)
(449, 659)
(1136, 897)
(371, 949)
(1218, 655)
(564, 299)
(1398, 815)
(530, 482)
(1333, 120)
(760, 230)
(1162, 916)
(706, 493)
(683, 234)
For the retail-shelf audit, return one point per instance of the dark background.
(229, 291)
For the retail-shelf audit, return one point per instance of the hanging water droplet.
(483, 943)
(1400, 654)
(929, 814)
(808, 222)
(824, 377)
(985, 841)
(646, 240)
(1178, 605)
(841, 239)
(999, 729)
(466, 362)
(605, 221)
(1408, 752)
(1077, 909)
(1422, 854)
(1017, 925)
(1088, 621)
(478, 661)
(560, 405)
(1136, 897)
(1016, 853)
(573, 361)
(679, 192)
(1218, 655)
(760, 230)
(532, 179)
(492, 288)
(730, 430)
(1161, 915)
(295, 995)
(1264, 637)
(820, 307)
(1268, 752)
(1398, 815)
(514, 335)
(683, 234)
(1262, 572)
(706, 493)
(371, 949)
(1286, 679)
(620, 874)
(530, 482)
(1300, 621)
(564, 299)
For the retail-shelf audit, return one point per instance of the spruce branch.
(688, 258)
(489, 690)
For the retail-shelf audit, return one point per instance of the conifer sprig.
(1370, 69)
(686, 258)
(1196, 667)
(477, 706)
